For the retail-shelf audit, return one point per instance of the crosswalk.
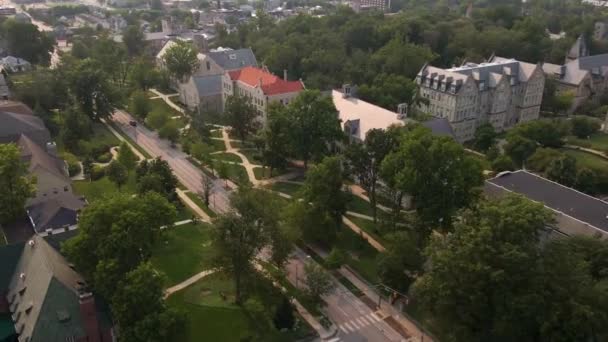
(359, 323)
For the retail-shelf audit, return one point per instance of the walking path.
(190, 203)
(377, 245)
(121, 138)
(588, 150)
(168, 101)
(187, 282)
(245, 161)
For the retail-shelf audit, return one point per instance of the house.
(42, 299)
(261, 87)
(15, 125)
(54, 208)
(357, 117)
(371, 5)
(585, 77)
(15, 64)
(575, 212)
(502, 91)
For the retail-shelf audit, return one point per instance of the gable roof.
(270, 84)
(15, 107)
(55, 212)
(233, 59)
(440, 127)
(14, 125)
(208, 85)
(37, 158)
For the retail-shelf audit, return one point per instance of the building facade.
(502, 91)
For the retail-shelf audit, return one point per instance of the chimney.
(260, 82)
(285, 74)
(88, 314)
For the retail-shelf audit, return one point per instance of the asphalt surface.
(186, 172)
(355, 320)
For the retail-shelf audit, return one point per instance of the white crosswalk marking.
(343, 328)
(349, 327)
(359, 322)
(354, 323)
(375, 317)
(336, 339)
(362, 321)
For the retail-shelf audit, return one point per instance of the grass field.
(359, 205)
(216, 145)
(286, 188)
(199, 201)
(368, 226)
(252, 154)
(235, 173)
(160, 105)
(599, 141)
(362, 255)
(264, 173)
(587, 159)
(183, 252)
(230, 157)
(102, 187)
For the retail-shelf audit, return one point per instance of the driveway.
(186, 172)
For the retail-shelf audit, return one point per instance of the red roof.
(271, 84)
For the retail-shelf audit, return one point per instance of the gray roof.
(14, 125)
(574, 72)
(573, 203)
(233, 59)
(440, 127)
(591, 62)
(208, 85)
(55, 212)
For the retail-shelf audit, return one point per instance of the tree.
(15, 186)
(399, 265)
(519, 148)
(133, 38)
(169, 131)
(75, 126)
(485, 135)
(583, 127)
(365, 160)
(91, 88)
(547, 133)
(115, 235)
(437, 173)
(503, 163)
(563, 170)
(126, 157)
(562, 102)
(542, 158)
(222, 171)
(143, 74)
(156, 175)
(238, 238)
(318, 282)
(157, 119)
(283, 316)
(207, 186)
(140, 104)
(483, 279)
(241, 115)
(313, 125)
(389, 91)
(87, 167)
(181, 60)
(24, 40)
(586, 181)
(276, 138)
(117, 173)
(140, 310)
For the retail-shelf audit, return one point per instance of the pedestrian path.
(188, 282)
(190, 203)
(168, 100)
(359, 323)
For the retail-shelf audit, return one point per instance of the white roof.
(370, 116)
(167, 46)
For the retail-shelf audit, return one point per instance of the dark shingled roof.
(13, 125)
(568, 201)
(56, 212)
(440, 127)
(233, 59)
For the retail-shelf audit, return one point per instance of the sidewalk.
(197, 210)
(168, 101)
(187, 282)
(377, 245)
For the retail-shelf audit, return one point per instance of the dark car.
(133, 123)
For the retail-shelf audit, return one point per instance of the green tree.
(91, 89)
(485, 135)
(117, 173)
(87, 167)
(365, 160)
(318, 282)
(563, 170)
(75, 126)
(402, 261)
(181, 60)
(222, 171)
(542, 158)
(140, 310)
(437, 173)
(483, 280)
(586, 181)
(275, 138)
(133, 38)
(115, 235)
(126, 157)
(15, 187)
(140, 104)
(503, 163)
(143, 75)
(169, 131)
(313, 125)
(157, 119)
(207, 186)
(519, 148)
(283, 315)
(156, 175)
(241, 116)
(547, 133)
(26, 41)
(583, 127)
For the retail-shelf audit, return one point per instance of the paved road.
(356, 322)
(187, 173)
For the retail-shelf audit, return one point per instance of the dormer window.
(232, 56)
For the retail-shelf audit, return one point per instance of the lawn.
(362, 255)
(286, 188)
(236, 173)
(251, 153)
(368, 226)
(587, 159)
(199, 201)
(229, 157)
(598, 141)
(359, 205)
(216, 145)
(213, 317)
(160, 105)
(128, 139)
(100, 139)
(102, 187)
(215, 133)
(183, 252)
(264, 173)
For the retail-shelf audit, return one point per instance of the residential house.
(15, 125)
(15, 64)
(502, 91)
(371, 5)
(42, 299)
(575, 212)
(260, 87)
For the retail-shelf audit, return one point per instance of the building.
(371, 5)
(42, 299)
(501, 91)
(577, 50)
(261, 87)
(575, 212)
(358, 117)
(600, 30)
(585, 77)
(15, 64)
(15, 125)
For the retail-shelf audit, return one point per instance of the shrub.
(73, 163)
(97, 172)
(104, 157)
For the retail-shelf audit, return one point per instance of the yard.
(102, 187)
(264, 173)
(362, 255)
(99, 142)
(212, 315)
(229, 157)
(184, 251)
(235, 173)
(286, 188)
(160, 105)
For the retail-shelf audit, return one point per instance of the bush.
(104, 157)
(98, 150)
(336, 258)
(97, 172)
(73, 163)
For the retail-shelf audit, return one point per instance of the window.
(232, 56)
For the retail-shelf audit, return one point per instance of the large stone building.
(261, 87)
(501, 91)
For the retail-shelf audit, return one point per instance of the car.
(133, 123)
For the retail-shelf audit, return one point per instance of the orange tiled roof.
(271, 84)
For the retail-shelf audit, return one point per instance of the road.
(187, 173)
(355, 320)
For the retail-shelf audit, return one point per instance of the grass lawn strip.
(286, 188)
(264, 173)
(103, 187)
(368, 226)
(587, 159)
(129, 140)
(229, 157)
(199, 201)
